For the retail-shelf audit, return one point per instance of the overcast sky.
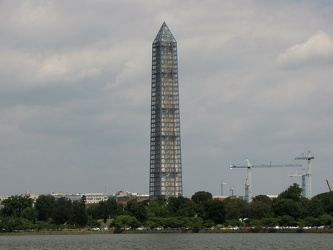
(255, 81)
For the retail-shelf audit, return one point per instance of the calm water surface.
(257, 241)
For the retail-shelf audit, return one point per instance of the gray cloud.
(75, 92)
(317, 50)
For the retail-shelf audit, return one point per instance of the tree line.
(288, 209)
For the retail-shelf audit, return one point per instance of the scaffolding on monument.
(165, 143)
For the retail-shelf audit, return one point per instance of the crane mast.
(249, 166)
(308, 181)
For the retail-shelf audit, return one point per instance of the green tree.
(154, 209)
(269, 222)
(292, 192)
(195, 223)
(94, 211)
(124, 221)
(154, 222)
(235, 208)
(325, 220)
(310, 221)
(137, 209)
(79, 214)
(326, 200)
(44, 206)
(150, 223)
(304, 206)
(30, 214)
(114, 208)
(173, 222)
(14, 205)
(161, 200)
(282, 207)
(215, 210)
(202, 197)
(258, 210)
(188, 209)
(208, 223)
(315, 208)
(286, 221)
(108, 209)
(62, 211)
(262, 198)
(104, 210)
(174, 203)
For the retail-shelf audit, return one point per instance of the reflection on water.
(235, 241)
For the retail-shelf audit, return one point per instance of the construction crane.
(249, 166)
(232, 191)
(329, 187)
(307, 174)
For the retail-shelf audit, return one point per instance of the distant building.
(272, 196)
(34, 197)
(91, 198)
(220, 198)
(123, 197)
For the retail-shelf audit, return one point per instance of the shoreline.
(178, 231)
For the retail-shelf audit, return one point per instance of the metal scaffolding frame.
(165, 143)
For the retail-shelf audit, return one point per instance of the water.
(172, 241)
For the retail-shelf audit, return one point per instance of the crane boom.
(267, 166)
(249, 166)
